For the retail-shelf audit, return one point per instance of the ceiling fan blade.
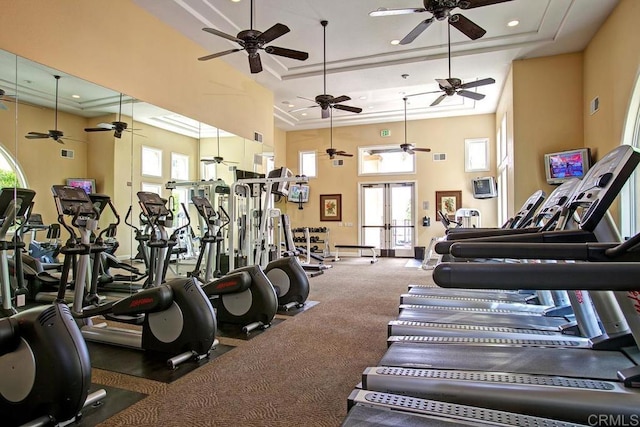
(479, 3)
(223, 35)
(254, 63)
(325, 113)
(488, 81)
(444, 83)
(466, 26)
(383, 11)
(438, 100)
(96, 129)
(217, 55)
(416, 31)
(36, 135)
(423, 93)
(409, 150)
(273, 33)
(424, 150)
(340, 99)
(302, 108)
(287, 53)
(348, 108)
(468, 94)
(344, 154)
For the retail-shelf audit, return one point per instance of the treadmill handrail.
(558, 251)
(590, 276)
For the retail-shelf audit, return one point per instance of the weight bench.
(372, 248)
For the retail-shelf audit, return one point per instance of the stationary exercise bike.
(176, 317)
(44, 363)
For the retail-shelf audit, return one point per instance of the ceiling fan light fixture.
(395, 42)
(513, 23)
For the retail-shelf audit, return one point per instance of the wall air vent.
(257, 136)
(338, 162)
(67, 154)
(257, 159)
(439, 157)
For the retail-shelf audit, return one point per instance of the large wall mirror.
(156, 147)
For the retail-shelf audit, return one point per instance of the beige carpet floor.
(298, 373)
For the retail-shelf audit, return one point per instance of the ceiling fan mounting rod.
(56, 113)
(405, 119)
(449, 46)
(324, 55)
(251, 17)
(331, 127)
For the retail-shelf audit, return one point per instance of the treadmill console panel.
(603, 183)
(558, 198)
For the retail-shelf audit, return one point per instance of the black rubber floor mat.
(292, 312)
(117, 400)
(144, 364)
(228, 330)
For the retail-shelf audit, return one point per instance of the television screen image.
(484, 188)
(564, 165)
(87, 184)
(298, 193)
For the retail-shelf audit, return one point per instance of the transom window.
(385, 159)
(308, 165)
(179, 166)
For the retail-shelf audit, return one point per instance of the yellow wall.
(611, 66)
(441, 135)
(40, 159)
(547, 109)
(124, 48)
(505, 109)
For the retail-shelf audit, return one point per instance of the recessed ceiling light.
(395, 42)
(513, 23)
(304, 114)
(363, 97)
(236, 1)
(370, 106)
(75, 96)
(291, 105)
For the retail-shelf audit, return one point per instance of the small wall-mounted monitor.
(298, 193)
(564, 165)
(484, 188)
(87, 184)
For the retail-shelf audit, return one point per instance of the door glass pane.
(401, 217)
(373, 215)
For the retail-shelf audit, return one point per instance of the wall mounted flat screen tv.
(564, 165)
(484, 188)
(87, 184)
(298, 193)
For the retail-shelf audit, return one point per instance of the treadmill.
(566, 383)
(545, 218)
(596, 192)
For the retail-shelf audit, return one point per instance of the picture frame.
(449, 202)
(331, 207)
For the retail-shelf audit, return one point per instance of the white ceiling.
(361, 62)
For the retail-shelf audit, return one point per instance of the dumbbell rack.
(311, 238)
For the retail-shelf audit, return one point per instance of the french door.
(387, 214)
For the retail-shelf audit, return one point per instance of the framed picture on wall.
(448, 202)
(331, 207)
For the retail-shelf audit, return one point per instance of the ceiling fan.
(117, 127)
(333, 152)
(325, 101)
(253, 40)
(5, 98)
(454, 86)
(217, 159)
(55, 134)
(441, 10)
(406, 147)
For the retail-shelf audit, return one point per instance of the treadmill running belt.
(566, 362)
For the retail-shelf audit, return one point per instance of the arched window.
(630, 202)
(10, 172)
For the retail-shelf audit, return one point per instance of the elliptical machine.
(286, 275)
(176, 317)
(44, 361)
